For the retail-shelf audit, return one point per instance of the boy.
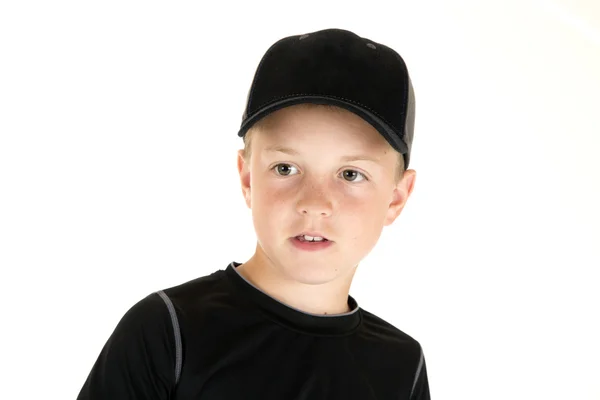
(328, 129)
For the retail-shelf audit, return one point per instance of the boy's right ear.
(244, 171)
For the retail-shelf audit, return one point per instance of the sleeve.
(138, 360)
(420, 389)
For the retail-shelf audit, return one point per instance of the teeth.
(312, 238)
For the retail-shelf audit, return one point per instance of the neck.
(329, 298)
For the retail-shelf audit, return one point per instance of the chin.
(312, 273)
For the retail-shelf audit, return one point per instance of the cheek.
(270, 192)
(269, 197)
(364, 216)
(270, 210)
(365, 203)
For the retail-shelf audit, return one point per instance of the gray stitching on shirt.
(176, 333)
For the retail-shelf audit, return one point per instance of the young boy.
(328, 129)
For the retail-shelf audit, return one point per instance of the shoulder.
(155, 316)
(375, 323)
(198, 291)
(147, 315)
(137, 361)
(377, 330)
(394, 353)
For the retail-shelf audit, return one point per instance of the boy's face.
(306, 173)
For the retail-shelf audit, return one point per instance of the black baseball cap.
(336, 67)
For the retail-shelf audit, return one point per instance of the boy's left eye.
(353, 176)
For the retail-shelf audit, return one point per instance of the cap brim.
(392, 137)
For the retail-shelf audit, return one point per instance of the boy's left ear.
(400, 195)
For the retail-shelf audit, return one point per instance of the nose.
(314, 201)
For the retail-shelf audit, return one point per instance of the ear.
(244, 171)
(400, 195)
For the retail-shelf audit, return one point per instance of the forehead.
(304, 125)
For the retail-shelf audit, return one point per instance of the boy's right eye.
(283, 169)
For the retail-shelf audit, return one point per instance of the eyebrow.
(281, 149)
(292, 152)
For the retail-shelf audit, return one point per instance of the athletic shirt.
(218, 337)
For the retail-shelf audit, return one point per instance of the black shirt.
(237, 342)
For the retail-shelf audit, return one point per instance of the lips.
(310, 246)
(312, 234)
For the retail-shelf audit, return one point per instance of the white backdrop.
(118, 124)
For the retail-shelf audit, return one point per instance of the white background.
(118, 124)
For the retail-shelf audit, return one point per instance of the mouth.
(311, 237)
(311, 242)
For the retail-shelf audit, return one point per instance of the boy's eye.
(353, 176)
(349, 175)
(283, 169)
